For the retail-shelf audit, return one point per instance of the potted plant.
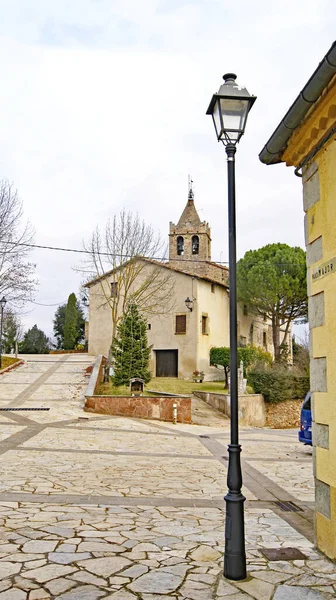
(195, 376)
(198, 376)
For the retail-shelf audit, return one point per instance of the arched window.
(195, 244)
(180, 245)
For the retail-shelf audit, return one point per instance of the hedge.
(276, 385)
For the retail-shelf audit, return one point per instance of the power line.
(116, 255)
(41, 304)
(129, 256)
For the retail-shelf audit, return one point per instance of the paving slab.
(108, 507)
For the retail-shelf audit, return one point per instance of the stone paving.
(108, 507)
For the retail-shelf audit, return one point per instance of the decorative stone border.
(13, 366)
(68, 352)
(145, 407)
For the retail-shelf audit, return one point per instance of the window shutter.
(181, 324)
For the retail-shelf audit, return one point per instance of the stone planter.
(143, 407)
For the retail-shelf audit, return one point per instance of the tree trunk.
(276, 337)
(226, 371)
(110, 356)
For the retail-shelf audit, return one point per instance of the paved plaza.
(126, 509)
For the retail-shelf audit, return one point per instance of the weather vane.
(190, 188)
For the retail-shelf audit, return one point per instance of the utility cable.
(129, 256)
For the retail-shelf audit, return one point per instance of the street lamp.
(189, 303)
(3, 302)
(229, 109)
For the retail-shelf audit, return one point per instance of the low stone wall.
(68, 352)
(143, 407)
(96, 376)
(251, 407)
(13, 366)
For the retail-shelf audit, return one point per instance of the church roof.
(166, 265)
(189, 216)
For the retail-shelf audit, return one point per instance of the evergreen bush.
(130, 348)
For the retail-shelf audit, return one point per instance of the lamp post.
(3, 302)
(229, 109)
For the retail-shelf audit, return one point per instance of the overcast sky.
(103, 106)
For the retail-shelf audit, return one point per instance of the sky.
(103, 107)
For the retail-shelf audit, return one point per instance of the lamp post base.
(234, 556)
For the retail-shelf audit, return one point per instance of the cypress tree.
(70, 323)
(59, 322)
(130, 348)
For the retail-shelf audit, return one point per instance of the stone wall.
(251, 408)
(143, 407)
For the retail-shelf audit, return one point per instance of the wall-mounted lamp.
(189, 303)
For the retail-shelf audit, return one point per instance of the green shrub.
(278, 384)
(250, 355)
(301, 385)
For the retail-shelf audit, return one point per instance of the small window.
(242, 340)
(180, 324)
(245, 311)
(114, 289)
(265, 339)
(149, 326)
(204, 325)
(251, 333)
(180, 245)
(213, 288)
(195, 244)
(265, 317)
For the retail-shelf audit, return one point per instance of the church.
(198, 314)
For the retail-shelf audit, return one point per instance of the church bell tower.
(190, 239)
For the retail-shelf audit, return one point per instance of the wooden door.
(166, 363)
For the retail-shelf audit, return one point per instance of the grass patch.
(165, 384)
(7, 361)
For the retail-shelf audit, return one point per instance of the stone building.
(183, 337)
(305, 139)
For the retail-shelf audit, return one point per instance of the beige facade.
(309, 145)
(181, 339)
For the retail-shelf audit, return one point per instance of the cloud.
(103, 106)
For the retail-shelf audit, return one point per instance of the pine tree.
(34, 342)
(70, 323)
(130, 348)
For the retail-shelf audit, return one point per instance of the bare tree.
(129, 252)
(17, 282)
